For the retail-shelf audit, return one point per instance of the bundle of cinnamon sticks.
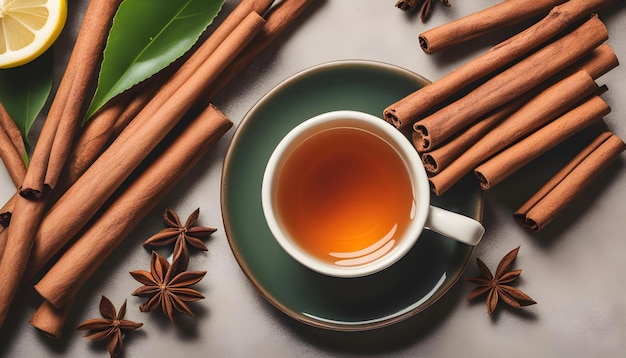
(516, 101)
(59, 209)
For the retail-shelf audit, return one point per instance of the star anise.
(111, 326)
(179, 234)
(497, 285)
(424, 10)
(167, 285)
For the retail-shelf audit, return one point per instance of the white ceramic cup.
(425, 216)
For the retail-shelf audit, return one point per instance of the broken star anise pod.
(167, 286)
(179, 234)
(424, 10)
(497, 285)
(112, 326)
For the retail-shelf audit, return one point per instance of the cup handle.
(456, 226)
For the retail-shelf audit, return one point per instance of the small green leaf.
(145, 37)
(24, 91)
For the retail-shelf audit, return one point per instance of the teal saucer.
(424, 275)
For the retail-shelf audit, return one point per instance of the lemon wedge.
(28, 28)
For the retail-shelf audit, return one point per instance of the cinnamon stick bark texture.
(513, 158)
(3, 242)
(19, 243)
(438, 159)
(597, 63)
(52, 147)
(13, 132)
(559, 192)
(600, 61)
(511, 83)
(409, 109)
(11, 153)
(240, 13)
(546, 106)
(114, 118)
(83, 199)
(109, 122)
(496, 17)
(64, 117)
(49, 319)
(276, 22)
(91, 249)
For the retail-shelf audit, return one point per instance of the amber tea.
(344, 195)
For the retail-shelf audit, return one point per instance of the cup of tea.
(346, 194)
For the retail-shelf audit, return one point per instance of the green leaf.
(24, 91)
(145, 37)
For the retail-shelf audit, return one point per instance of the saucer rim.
(303, 318)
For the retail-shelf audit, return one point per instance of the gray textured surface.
(573, 269)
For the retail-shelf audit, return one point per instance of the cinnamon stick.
(52, 146)
(108, 122)
(407, 110)
(115, 116)
(597, 63)
(89, 144)
(120, 114)
(438, 159)
(49, 319)
(559, 192)
(549, 104)
(64, 117)
(3, 242)
(19, 243)
(13, 132)
(83, 199)
(513, 158)
(277, 21)
(491, 19)
(11, 153)
(511, 83)
(90, 250)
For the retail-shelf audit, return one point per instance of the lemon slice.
(28, 28)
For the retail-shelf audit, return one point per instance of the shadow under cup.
(345, 194)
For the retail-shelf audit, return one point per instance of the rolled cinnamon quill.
(513, 158)
(52, 147)
(512, 82)
(49, 319)
(546, 106)
(597, 63)
(407, 110)
(3, 242)
(83, 199)
(545, 205)
(116, 115)
(111, 120)
(439, 158)
(276, 22)
(12, 154)
(64, 117)
(496, 17)
(92, 248)
(13, 132)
